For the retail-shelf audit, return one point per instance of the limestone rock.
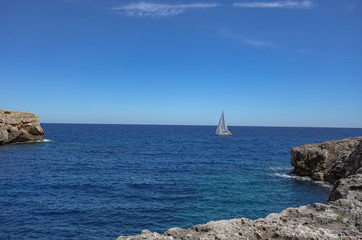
(16, 127)
(350, 188)
(327, 161)
(3, 134)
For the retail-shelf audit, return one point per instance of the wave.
(304, 179)
(280, 168)
(47, 140)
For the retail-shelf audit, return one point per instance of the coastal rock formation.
(16, 127)
(339, 162)
(328, 161)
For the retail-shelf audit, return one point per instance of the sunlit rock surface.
(19, 127)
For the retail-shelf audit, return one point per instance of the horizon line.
(194, 125)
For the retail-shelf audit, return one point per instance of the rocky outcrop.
(18, 127)
(349, 188)
(328, 161)
(339, 162)
(318, 222)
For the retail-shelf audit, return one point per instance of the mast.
(224, 127)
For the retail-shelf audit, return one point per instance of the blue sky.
(265, 63)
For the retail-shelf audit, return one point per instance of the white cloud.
(352, 6)
(245, 41)
(145, 9)
(305, 4)
(257, 43)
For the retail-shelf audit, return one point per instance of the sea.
(101, 181)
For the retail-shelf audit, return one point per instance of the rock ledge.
(19, 127)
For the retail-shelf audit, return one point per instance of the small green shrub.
(7, 112)
(339, 218)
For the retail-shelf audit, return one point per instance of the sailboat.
(222, 129)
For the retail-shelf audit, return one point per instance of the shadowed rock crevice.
(341, 218)
(19, 127)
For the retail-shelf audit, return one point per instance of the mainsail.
(222, 129)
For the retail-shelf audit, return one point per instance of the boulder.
(19, 127)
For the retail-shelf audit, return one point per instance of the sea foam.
(304, 179)
(280, 168)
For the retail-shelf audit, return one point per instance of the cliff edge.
(19, 127)
(327, 161)
(339, 162)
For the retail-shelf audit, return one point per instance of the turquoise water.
(102, 181)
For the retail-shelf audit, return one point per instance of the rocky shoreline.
(339, 162)
(19, 127)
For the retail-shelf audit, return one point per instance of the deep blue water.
(102, 181)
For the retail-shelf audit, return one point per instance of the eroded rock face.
(340, 218)
(327, 161)
(322, 221)
(18, 127)
(349, 188)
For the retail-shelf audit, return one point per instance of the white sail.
(222, 128)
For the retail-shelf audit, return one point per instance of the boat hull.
(228, 133)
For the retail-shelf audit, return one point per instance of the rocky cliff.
(339, 162)
(16, 127)
(327, 161)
